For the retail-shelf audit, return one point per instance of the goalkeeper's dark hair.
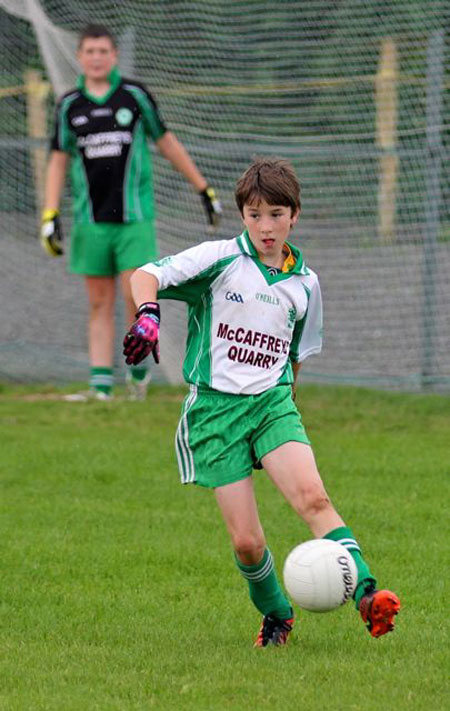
(271, 179)
(94, 32)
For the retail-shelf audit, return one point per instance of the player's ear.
(294, 217)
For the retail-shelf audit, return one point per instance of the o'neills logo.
(347, 578)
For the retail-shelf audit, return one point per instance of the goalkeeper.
(101, 130)
(255, 314)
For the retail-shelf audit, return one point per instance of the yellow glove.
(51, 233)
(212, 206)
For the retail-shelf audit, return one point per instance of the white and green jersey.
(245, 325)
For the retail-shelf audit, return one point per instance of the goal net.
(355, 93)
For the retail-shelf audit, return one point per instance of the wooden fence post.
(36, 92)
(386, 138)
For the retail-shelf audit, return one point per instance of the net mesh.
(355, 93)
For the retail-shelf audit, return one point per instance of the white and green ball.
(320, 575)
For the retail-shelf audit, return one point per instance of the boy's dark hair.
(96, 31)
(270, 179)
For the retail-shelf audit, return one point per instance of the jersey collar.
(293, 264)
(114, 79)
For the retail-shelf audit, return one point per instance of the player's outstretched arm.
(143, 336)
(173, 150)
(144, 287)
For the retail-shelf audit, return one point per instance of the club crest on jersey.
(124, 116)
(234, 296)
(292, 313)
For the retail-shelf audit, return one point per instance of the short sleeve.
(188, 274)
(154, 125)
(62, 138)
(308, 332)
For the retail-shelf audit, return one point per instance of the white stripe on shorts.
(183, 450)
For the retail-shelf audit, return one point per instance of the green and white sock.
(366, 581)
(102, 379)
(264, 588)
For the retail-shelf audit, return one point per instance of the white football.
(320, 575)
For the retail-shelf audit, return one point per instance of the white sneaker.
(87, 395)
(137, 389)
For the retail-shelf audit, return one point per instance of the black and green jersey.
(106, 136)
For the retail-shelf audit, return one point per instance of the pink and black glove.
(143, 336)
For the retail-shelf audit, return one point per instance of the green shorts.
(108, 248)
(221, 437)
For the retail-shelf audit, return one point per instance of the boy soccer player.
(101, 130)
(255, 314)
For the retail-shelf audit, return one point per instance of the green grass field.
(118, 587)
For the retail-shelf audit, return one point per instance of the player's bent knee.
(312, 502)
(249, 548)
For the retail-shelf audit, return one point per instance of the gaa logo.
(124, 116)
(233, 296)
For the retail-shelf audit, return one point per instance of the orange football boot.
(378, 609)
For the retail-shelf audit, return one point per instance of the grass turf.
(119, 590)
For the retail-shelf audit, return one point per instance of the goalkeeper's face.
(97, 56)
(268, 227)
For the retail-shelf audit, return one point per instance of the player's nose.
(266, 226)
